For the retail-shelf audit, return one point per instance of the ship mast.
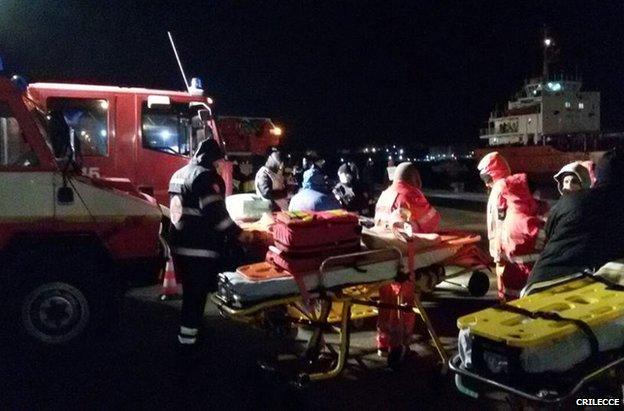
(548, 43)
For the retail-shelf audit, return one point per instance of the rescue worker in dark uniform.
(200, 230)
(349, 191)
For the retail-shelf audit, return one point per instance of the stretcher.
(546, 346)
(341, 283)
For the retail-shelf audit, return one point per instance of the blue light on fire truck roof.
(197, 83)
(196, 87)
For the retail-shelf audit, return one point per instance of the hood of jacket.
(517, 194)
(314, 179)
(407, 173)
(576, 168)
(610, 169)
(207, 153)
(494, 165)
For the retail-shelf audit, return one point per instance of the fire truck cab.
(247, 140)
(136, 133)
(67, 241)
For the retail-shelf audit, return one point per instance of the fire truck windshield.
(174, 129)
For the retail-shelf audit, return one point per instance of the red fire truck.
(66, 240)
(247, 140)
(136, 133)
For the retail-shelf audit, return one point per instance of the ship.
(550, 122)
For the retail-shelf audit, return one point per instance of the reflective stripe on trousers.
(194, 252)
(187, 336)
(523, 259)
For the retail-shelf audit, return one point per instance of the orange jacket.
(401, 203)
(522, 233)
(494, 165)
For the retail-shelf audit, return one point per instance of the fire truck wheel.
(55, 313)
(64, 301)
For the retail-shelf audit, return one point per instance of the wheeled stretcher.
(545, 346)
(341, 281)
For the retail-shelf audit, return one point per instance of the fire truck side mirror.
(205, 115)
(59, 133)
(65, 195)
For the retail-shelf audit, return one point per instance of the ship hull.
(540, 163)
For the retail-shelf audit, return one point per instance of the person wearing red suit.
(401, 203)
(493, 169)
(522, 235)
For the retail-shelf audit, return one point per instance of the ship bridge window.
(89, 120)
(552, 86)
(14, 149)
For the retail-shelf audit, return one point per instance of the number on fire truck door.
(93, 172)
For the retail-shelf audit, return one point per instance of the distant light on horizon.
(548, 42)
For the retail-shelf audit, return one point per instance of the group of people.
(529, 243)
(532, 245)
(311, 190)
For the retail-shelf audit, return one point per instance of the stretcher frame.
(541, 396)
(320, 319)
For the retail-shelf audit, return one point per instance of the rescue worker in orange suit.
(401, 203)
(200, 230)
(522, 235)
(270, 183)
(493, 169)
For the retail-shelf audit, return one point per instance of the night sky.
(332, 73)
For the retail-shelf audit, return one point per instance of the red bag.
(309, 260)
(303, 229)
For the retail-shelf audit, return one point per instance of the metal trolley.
(347, 296)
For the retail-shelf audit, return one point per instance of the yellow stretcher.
(345, 297)
(534, 337)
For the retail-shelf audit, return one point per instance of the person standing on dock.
(493, 169)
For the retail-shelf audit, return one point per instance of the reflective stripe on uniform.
(195, 252)
(511, 292)
(224, 224)
(204, 201)
(187, 340)
(427, 217)
(191, 211)
(522, 259)
(188, 331)
(179, 181)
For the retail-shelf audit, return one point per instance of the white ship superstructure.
(555, 106)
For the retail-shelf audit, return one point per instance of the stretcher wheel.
(479, 284)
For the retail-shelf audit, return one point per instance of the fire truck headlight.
(276, 131)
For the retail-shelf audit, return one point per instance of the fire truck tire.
(63, 304)
(55, 313)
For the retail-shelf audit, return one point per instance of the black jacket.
(201, 225)
(585, 229)
(352, 198)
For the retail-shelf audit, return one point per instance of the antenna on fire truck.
(175, 51)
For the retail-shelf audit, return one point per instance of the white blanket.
(245, 291)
